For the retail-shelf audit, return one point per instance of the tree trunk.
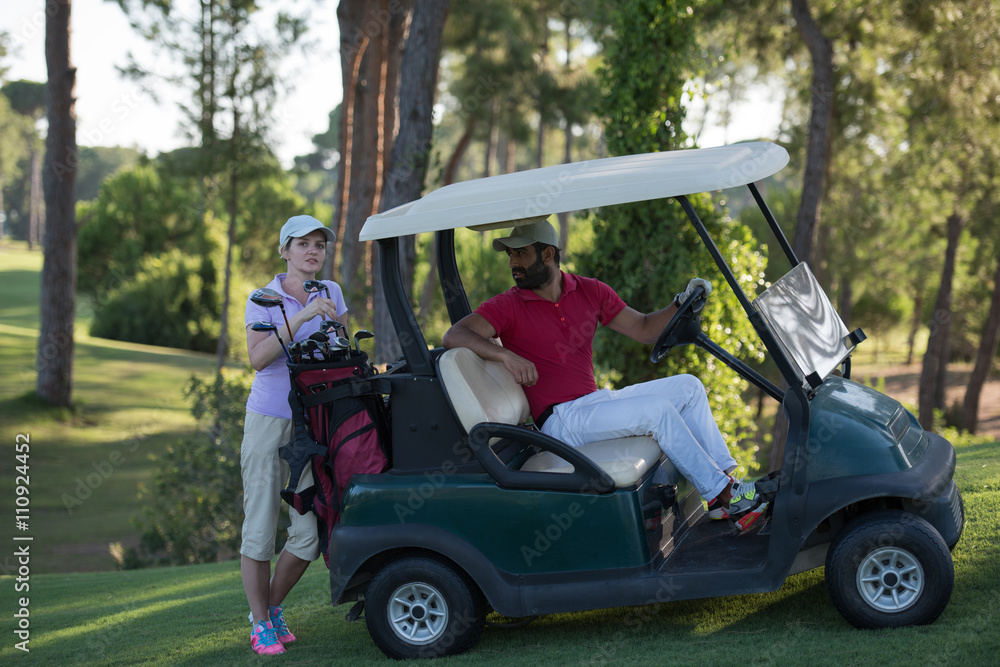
(911, 339)
(984, 359)
(222, 348)
(36, 208)
(353, 44)
(931, 393)
(567, 138)
(404, 180)
(817, 156)
(846, 299)
(58, 293)
(820, 120)
(492, 136)
(451, 167)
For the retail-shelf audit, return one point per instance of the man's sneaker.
(746, 505)
(716, 510)
(751, 517)
(263, 640)
(280, 628)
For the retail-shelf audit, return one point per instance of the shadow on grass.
(31, 408)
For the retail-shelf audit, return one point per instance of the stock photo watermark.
(22, 540)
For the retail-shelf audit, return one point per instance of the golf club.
(323, 341)
(308, 347)
(268, 326)
(311, 286)
(340, 346)
(362, 334)
(269, 298)
(332, 326)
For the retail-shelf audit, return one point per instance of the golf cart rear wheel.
(889, 569)
(421, 608)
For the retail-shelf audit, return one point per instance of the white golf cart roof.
(503, 201)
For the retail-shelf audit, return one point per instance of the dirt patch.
(903, 382)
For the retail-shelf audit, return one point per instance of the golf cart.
(480, 511)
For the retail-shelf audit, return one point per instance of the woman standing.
(302, 244)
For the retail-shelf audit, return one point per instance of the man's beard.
(535, 276)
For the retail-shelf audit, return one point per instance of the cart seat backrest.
(480, 390)
(485, 391)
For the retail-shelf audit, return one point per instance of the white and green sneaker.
(747, 505)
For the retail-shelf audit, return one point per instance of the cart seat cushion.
(625, 460)
(484, 391)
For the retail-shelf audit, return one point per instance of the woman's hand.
(320, 307)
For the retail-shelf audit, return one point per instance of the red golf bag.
(341, 428)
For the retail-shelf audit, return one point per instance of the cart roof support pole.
(411, 340)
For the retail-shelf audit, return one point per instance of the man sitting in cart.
(546, 325)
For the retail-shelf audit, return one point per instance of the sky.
(113, 111)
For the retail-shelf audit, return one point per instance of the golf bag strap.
(353, 388)
(298, 451)
(300, 501)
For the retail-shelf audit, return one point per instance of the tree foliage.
(647, 251)
(193, 511)
(152, 255)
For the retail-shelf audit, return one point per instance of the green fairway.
(197, 615)
(85, 466)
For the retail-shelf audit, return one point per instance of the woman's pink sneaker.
(263, 639)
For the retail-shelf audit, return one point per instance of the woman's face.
(306, 253)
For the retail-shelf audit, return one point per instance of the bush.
(194, 511)
(173, 301)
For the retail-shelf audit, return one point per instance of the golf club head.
(266, 297)
(262, 326)
(311, 286)
(330, 326)
(319, 336)
(360, 335)
(340, 343)
(268, 326)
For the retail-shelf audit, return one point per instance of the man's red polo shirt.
(557, 337)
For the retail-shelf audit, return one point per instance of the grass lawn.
(85, 466)
(195, 615)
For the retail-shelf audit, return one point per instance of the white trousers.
(673, 410)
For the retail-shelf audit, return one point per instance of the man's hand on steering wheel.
(689, 290)
(685, 325)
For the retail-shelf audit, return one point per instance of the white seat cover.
(625, 460)
(485, 391)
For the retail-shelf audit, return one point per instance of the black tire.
(889, 569)
(961, 521)
(421, 608)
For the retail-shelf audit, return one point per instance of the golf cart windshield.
(805, 324)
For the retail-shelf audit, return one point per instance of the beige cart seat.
(484, 391)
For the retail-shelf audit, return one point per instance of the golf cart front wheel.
(889, 569)
(421, 608)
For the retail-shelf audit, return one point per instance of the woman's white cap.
(300, 225)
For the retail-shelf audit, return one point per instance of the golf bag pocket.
(340, 429)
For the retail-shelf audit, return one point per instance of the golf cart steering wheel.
(683, 328)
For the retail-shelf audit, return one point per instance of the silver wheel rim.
(418, 613)
(890, 579)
